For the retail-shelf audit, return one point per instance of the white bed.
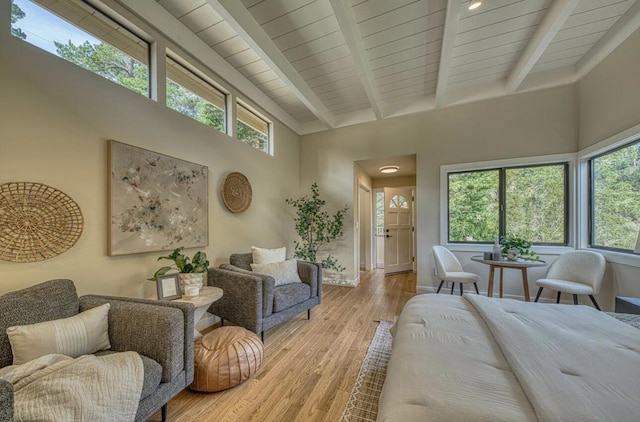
(474, 358)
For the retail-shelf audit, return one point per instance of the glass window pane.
(615, 204)
(402, 201)
(535, 203)
(78, 33)
(394, 202)
(473, 206)
(379, 213)
(252, 129)
(190, 95)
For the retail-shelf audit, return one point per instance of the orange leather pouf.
(225, 357)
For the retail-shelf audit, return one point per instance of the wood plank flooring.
(310, 366)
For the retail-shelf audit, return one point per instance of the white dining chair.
(449, 269)
(577, 273)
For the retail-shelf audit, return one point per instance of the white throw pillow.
(78, 335)
(285, 272)
(267, 256)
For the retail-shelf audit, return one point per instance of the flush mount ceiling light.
(473, 5)
(389, 169)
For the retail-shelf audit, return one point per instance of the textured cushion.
(462, 277)
(267, 256)
(289, 295)
(285, 272)
(53, 299)
(226, 357)
(565, 286)
(78, 335)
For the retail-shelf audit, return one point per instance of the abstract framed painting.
(156, 202)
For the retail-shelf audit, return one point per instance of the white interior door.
(398, 230)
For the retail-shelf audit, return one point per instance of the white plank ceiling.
(331, 63)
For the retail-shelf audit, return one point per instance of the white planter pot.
(191, 283)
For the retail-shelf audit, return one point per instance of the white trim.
(510, 162)
(611, 143)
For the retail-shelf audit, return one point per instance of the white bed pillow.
(75, 336)
(268, 256)
(285, 272)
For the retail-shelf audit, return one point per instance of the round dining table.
(520, 263)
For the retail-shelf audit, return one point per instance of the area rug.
(363, 401)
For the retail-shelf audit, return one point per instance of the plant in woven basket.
(316, 228)
(184, 264)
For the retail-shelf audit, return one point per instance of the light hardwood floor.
(310, 366)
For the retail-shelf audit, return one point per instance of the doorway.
(398, 230)
(364, 207)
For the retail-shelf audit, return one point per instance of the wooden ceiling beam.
(236, 15)
(620, 31)
(349, 27)
(452, 18)
(553, 21)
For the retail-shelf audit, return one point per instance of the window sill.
(540, 250)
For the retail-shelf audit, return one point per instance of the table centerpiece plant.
(191, 270)
(522, 246)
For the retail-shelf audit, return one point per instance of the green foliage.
(109, 62)
(250, 136)
(16, 15)
(316, 228)
(616, 198)
(473, 206)
(189, 104)
(184, 264)
(523, 246)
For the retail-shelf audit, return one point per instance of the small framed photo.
(168, 287)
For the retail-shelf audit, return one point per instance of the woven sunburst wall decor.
(37, 222)
(236, 192)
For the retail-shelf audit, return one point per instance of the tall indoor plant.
(191, 270)
(316, 228)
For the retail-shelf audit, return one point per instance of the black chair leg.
(262, 336)
(476, 286)
(593, 299)
(452, 284)
(539, 293)
(558, 297)
(308, 313)
(461, 288)
(440, 286)
(575, 299)
(221, 322)
(163, 412)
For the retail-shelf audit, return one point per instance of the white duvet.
(482, 359)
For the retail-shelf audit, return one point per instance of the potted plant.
(316, 227)
(191, 270)
(514, 247)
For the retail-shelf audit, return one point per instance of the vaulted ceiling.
(321, 64)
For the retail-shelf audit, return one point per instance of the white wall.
(537, 123)
(609, 103)
(56, 119)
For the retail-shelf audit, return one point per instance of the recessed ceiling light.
(473, 5)
(389, 169)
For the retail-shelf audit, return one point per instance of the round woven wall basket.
(37, 222)
(236, 192)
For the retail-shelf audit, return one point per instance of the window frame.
(120, 21)
(270, 138)
(591, 196)
(542, 248)
(170, 54)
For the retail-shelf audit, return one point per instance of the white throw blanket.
(58, 388)
(574, 363)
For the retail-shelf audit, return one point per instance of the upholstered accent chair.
(576, 273)
(253, 301)
(161, 332)
(449, 269)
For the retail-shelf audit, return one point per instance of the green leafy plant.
(184, 264)
(316, 227)
(523, 246)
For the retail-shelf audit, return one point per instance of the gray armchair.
(252, 300)
(161, 332)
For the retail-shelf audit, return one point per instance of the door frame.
(365, 227)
